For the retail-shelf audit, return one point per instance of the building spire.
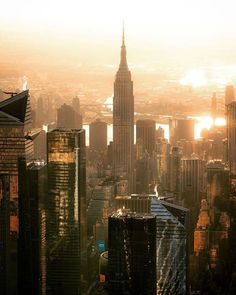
(123, 61)
(123, 36)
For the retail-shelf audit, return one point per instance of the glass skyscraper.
(132, 253)
(66, 211)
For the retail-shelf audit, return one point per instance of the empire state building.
(123, 122)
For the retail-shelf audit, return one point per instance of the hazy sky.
(151, 25)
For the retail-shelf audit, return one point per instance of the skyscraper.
(78, 116)
(145, 136)
(123, 121)
(66, 117)
(15, 141)
(66, 211)
(217, 184)
(5, 278)
(146, 164)
(229, 94)
(174, 171)
(181, 129)
(132, 253)
(192, 182)
(231, 135)
(32, 228)
(98, 135)
(171, 240)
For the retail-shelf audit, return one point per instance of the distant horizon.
(159, 34)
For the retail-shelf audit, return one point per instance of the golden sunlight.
(195, 78)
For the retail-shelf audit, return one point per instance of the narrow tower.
(123, 121)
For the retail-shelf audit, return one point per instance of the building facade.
(15, 141)
(132, 253)
(123, 122)
(66, 211)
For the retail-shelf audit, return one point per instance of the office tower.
(98, 135)
(76, 104)
(32, 228)
(78, 116)
(192, 188)
(214, 106)
(171, 240)
(192, 180)
(171, 248)
(15, 141)
(144, 173)
(202, 231)
(181, 129)
(40, 146)
(131, 253)
(145, 137)
(40, 112)
(231, 135)
(5, 270)
(229, 94)
(66, 117)
(163, 151)
(174, 171)
(123, 122)
(217, 184)
(66, 223)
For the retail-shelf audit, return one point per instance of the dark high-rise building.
(132, 253)
(78, 116)
(146, 164)
(145, 136)
(181, 129)
(5, 270)
(66, 117)
(171, 240)
(76, 104)
(217, 183)
(123, 122)
(32, 228)
(231, 135)
(15, 141)
(229, 94)
(192, 180)
(175, 171)
(66, 211)
(98, 135)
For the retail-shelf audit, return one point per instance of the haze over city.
(118, 147)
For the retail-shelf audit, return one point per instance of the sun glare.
(195, 78)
